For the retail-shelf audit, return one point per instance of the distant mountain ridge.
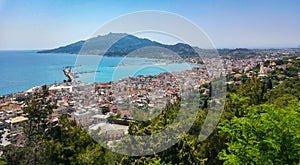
(120, 44)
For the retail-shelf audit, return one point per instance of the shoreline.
(176, 59)
(71, 78)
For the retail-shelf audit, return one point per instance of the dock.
(69, 74)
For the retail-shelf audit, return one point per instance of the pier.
(69, 74)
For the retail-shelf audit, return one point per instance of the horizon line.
(250, 48)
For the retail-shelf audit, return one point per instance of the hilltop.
(122, 44)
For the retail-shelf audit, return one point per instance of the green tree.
(68, 143)
(253, 89)
(38, 108)
(104, 110)
(269, 135)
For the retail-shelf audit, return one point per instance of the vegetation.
(121, 44)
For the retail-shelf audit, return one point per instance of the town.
(108, 107)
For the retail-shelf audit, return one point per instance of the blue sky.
(41, 24)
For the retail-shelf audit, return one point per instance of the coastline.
(42, 67)
(71, 78)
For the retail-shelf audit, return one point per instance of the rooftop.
(18, 119)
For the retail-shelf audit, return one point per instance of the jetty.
(69, 74)
(84, 72)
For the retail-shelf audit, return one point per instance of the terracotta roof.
(238, 75)
(125, 112)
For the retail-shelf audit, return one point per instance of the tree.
(104, 110)
(38, 107)
(67, 143)
(253, 89)
(268, 135)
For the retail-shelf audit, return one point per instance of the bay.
(21, 70)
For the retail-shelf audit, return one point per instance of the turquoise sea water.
(21, 70)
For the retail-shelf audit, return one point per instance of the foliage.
(267, 135)
(104, 110)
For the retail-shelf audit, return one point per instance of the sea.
(22, 70)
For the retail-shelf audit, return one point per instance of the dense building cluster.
(106, 107)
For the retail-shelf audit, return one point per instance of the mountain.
(122, 44)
